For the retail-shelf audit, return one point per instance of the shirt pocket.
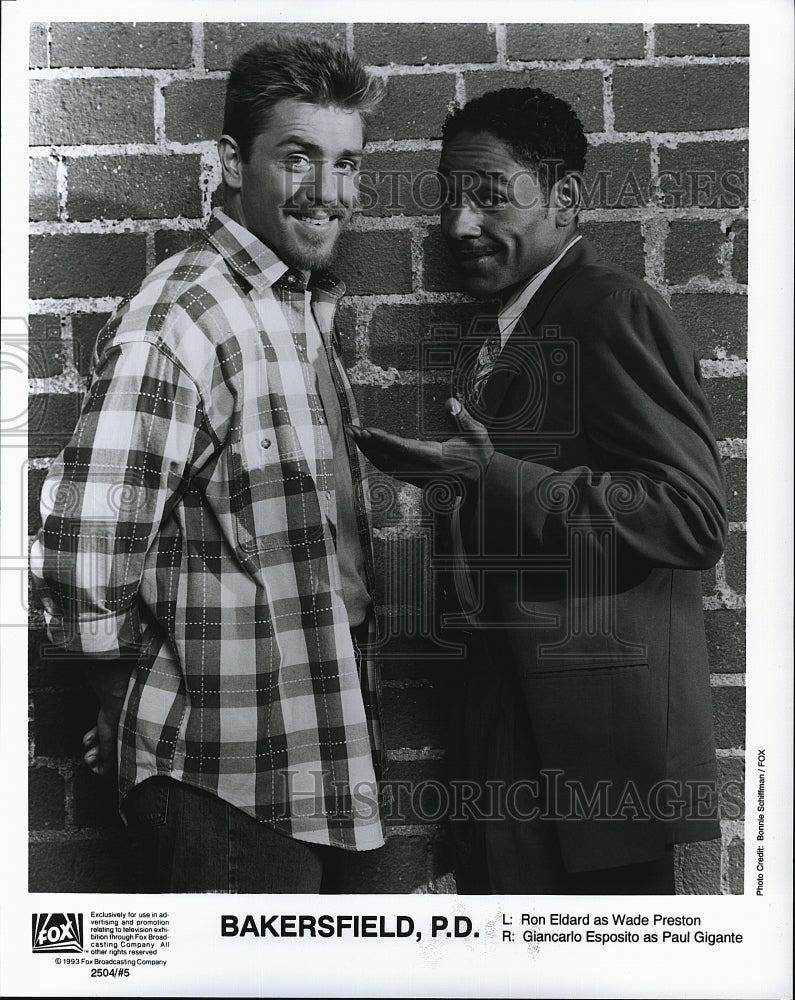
(273, 498)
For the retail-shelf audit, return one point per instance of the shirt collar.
(510, 312)
(256, 262)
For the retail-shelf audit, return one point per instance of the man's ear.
(231, 162)
(567, 199)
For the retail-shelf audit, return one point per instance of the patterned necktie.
(480, 371)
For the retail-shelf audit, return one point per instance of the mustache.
(470, 249)
(319, 208)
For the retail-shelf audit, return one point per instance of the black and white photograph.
(396, 444)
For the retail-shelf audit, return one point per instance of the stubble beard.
(307, 257)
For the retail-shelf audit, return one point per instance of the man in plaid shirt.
(205, 546)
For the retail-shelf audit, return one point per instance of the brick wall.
(123, 169)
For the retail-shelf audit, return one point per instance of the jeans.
(192, 841)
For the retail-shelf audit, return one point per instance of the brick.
(51, 420)
(157, 45)
(85, 327)
(413, 107)
(224, 42)
(717, 323)
(346, 324)
(574, 41)
(443, 859)
(43, 191)
(731, 787)
(397, 331)
(701, 39)
(697, 871)
(217, 196)
(740, 254)
(39, 46)
(736, 472)
(406, 624)
(582, 88)
(735, 561)
(617, 175)
(387, 496)
(374, 262)
(727, 397)
(430, 651)
(171, 241)
(400, 866)
(418, 664)
(729, 717)
(60, 720)
(679, 98)
(390, 499)
(619, 242)
(401, 571)
(74, 112)
(194, 110)
(419, 794)
(417, 716)
(86, 264)
(95, 800)
(94, 866)
(415, 44)
(692, 251)
(439, 273)
(735, 856)
(400, 184)
(46, 350)
(704, 175)
(45, 799)
(36, 479)
(133, 187)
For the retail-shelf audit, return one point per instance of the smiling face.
(498, 224)
(298, 188)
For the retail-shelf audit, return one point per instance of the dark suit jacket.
(603, 502)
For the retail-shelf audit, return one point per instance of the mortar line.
(197, 46)
(649, 41)
(501, 44)
(607, 101)
(405, 69)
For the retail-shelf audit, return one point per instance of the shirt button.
(321, 419)
(290, 279)
(266, 442)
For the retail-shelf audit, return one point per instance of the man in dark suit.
(590, 495)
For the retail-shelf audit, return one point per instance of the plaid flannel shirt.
(184, 523)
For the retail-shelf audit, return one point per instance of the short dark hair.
(306, 69)
(541, 130)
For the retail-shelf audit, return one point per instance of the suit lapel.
(512, 358)
(580, 254)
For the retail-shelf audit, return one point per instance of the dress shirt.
(190, 521)
(509, 315)
(513, 309)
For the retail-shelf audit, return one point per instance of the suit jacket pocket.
(600, 734)
(598, 724)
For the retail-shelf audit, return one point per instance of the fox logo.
(57, 932)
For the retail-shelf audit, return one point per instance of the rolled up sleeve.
(107, 494)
